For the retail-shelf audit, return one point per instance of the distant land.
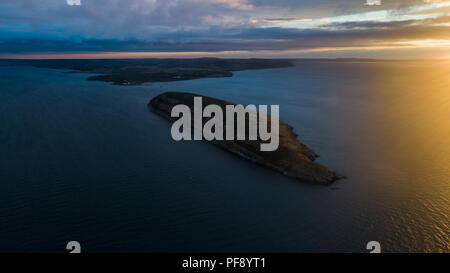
(139, 71)
(292, 158)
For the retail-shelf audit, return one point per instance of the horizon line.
(214, 57)
(241, 54)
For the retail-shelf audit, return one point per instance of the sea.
(86, 161)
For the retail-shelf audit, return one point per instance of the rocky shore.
(292, 158)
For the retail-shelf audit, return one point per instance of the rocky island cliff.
(292, 158)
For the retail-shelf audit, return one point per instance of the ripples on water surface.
(86, 161)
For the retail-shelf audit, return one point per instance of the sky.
(405, 29)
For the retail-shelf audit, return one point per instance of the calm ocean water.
(87, 161)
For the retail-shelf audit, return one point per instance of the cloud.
(373, 2)
(286, 20)
(214, 25)
(236, 4)
(148, 19)
(337, 35)
(142, 19)
(73, 2)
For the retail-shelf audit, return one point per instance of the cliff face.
(292, 158)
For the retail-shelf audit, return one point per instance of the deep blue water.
(87, 161)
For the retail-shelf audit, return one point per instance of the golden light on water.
(409, 131)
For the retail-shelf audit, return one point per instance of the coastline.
(292, 158)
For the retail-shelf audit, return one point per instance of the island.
(139, 71)
(292, 158)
